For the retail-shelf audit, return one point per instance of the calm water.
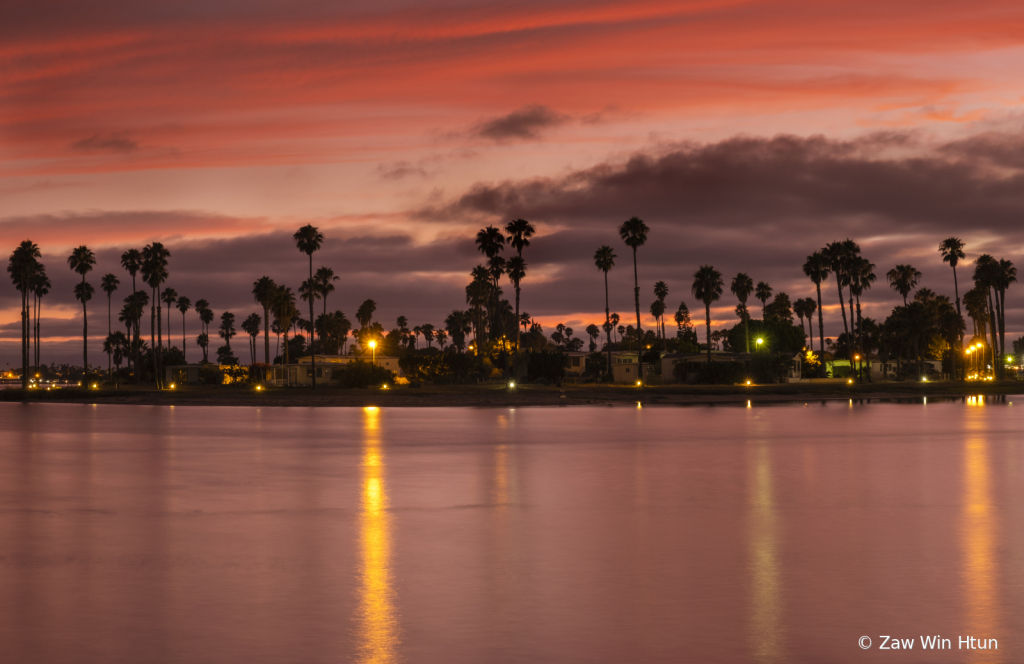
(767, 534)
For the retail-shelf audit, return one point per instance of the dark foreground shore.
(500, 396)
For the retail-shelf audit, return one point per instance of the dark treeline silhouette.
(925, 326)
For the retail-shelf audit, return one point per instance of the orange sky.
(122, 123)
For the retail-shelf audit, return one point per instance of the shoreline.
(497, 396)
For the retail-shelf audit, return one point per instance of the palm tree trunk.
(152, 340)
(1002, 323)
(159, 341)
(746, 326)
(39, 314)
(608, 325)
(995, 341)
(312, 346)
(266, 335)
(184, 352)
(842, 306)
(85, 338)
(639, 331)
(515, 358)
(860, 345)
(707, 320)
(956, 291)
(25, 331)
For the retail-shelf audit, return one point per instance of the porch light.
(748, 382)
(173, 386)
(259, 388)
(512, 384)
(849, 381)
(639, 383)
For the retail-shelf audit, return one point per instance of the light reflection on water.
(740, 533)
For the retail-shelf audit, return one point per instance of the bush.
(547, 365)
(445, 367)
(361, 374)
(768, 367)
(719, 373)
(210, 374)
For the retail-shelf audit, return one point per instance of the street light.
(759, 342)
(373, 348)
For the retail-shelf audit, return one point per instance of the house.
(301, 374)
(694, 361)
(577, 365)
(629, 372)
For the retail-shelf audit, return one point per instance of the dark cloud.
(118, 142)
(524, 124)
(401, 169)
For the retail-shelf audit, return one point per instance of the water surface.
(780, 533)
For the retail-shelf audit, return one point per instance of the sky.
(746, 134)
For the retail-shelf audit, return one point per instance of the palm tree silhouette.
(952, 250)
(707, 287)
(604, 259)
(131, 261)
(661, 292)
(169, 297)
(40, 288)
(763, 293)
(81, 261)
(263, 291)
(308, 240)
(817, 269)
(109, 284)
(183, 306)
(516, 273)
(154, 273)
(903, 279)
(325, 279)
(862, 275)
(742, 287)
(251, 326)
(634, 232)
(1005, 275)
(519, 232)
(22, 265)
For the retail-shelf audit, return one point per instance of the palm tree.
(516, 273)
(810, 306)
(183, 306)
(325, 279)
(109, 284)
(634, 232)
(263, 291)
(131, 261)
(23, 263)
(284, 312)
(1006, 275)
(707, 287)
(458, 325)
(81, 261)
(309, 290)
(169, 297)
(742, 287)
(364, 314)
(862, 275)
(154, 273)
(986, 276)
(817, 269)
(40, 288)
(308, 239)
(903, 279)
(799, 310)
(251, 326)
(661, 292)
(604, 259)
(952, 250)
(428, 333)
(763, 293)
(227, 327)
(658, 311)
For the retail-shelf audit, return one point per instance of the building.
(694, 361)
(300, 374)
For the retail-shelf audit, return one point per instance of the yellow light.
(512, 384)
(259, 387)
(760, 341)
(373, 344)
(924, 380)
(94, 386)
(385, 386)
(856, 357)
(849, 381)
(639, 383)
(748, 382)
(173, 386)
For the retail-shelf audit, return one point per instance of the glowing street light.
(373, 348)
(759, 342)
(512, 384)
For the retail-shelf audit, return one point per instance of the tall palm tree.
(862, 275)
(183, 306)
(634, 232)
(763, 293)
(284, 312)
(516, 273)
(817, 269)
(799, 309)
(154, 273)
(1005, 275)
(903, 279)
(742, 287)
(169, 297)
(109, 284)
(707, 287)
(131, 261)
(325, 279)
(986, 276)
(21, 266)
(604, 259)
(81, 261)
(263, 291)
(251, 326)
(661, 292)
(810, 306)
(40, 288)
(227, 328)
(952, 250)
(308, 240)
(657, 310)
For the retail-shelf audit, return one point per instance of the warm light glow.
(373, 344)
(172, 386)
(760, 341)
(849, 381)
(259, 387)
(385, 386)
(748, 382)
(512, 384)
(639, 383)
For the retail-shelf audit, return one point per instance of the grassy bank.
(500, 396)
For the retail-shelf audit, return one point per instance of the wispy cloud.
(525, 123)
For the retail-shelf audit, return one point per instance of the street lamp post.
(373, 349)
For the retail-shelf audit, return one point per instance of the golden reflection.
(979, 546)
(378, 628)
(765, 628)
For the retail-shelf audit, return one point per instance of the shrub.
(547, 365)
(719, 373)
(446, 367)
(361, 374)
(768, 367)
(210, 374)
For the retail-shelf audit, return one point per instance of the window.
(575, 361)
